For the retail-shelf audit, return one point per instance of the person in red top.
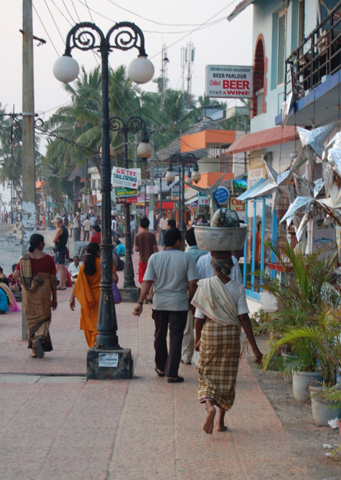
(96, 236)
(145, 243)
(37, 272)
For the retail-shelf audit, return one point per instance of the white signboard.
(108, 360)
(152, 189)
(122, 177)
(229, 81)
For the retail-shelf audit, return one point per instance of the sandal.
(159, 373)
(33, 355)
(61, 288)
(178, 379)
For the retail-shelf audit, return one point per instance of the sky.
(174, 24)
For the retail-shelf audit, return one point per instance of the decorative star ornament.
(314, 138)
(304, 203)
(279, 185)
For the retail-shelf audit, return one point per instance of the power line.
(47, 33)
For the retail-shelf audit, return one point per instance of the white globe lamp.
(140, 70)
(66, 69)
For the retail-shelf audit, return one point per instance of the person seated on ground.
(74, 267)
(12, 304)
(119, 248)
(96, 237)
(3, 277)
(14, 285)
(171, 223)
(3, 302)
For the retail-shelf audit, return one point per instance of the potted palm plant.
(306, 301)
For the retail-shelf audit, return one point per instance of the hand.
(72, 304)
(54, 303)
(137, 310)
(259, 356)
(197, 346)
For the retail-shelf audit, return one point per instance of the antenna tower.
(164, 79)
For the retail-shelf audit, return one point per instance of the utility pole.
(151, 182)
(28, 138)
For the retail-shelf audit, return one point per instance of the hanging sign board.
(122, 177)
(229, 81)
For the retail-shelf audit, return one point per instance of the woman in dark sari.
(37, 272)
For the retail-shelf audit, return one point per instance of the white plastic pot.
(301, 382)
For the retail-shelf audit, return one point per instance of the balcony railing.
(317, 56)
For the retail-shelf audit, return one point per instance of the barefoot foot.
(221, 428)
(209, 422)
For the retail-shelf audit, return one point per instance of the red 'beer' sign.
(228, 81)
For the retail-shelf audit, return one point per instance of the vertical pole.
(128, 264)
(28, 139)
(152, 182)
(160, 196)
(107, 321)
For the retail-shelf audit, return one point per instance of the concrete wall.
(264, 23)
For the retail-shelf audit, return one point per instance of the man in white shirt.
(74, 267)
(174, 274)
(205, 269)
(163, 227)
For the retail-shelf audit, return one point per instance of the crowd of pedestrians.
(197, 297)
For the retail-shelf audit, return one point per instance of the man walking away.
(188, 340)
(173, 273)
(60, 241)
(163, 228)
(145, 244)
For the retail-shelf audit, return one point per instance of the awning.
(263, 139)
(254, 190)
(192, 200)
(239, 8)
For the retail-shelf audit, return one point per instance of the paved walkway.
(54, 425)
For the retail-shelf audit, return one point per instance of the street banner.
(126, 199)
(121, 177)
(229, 81)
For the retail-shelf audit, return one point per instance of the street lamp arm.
(127, 35)
(83, 39)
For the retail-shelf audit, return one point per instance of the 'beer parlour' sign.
(229, 81)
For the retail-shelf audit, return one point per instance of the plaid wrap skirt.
(218, 363)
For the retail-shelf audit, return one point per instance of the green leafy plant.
(307, 319)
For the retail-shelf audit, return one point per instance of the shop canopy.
(254, 191)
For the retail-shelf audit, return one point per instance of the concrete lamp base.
(130, 294)
(110, 364)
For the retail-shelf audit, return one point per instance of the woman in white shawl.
(221, 311)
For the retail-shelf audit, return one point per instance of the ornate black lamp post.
(188, 161)
(134, 124)
(122, 36)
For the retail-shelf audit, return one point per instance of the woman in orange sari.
(88, 293)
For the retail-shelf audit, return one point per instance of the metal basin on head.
(220, 239)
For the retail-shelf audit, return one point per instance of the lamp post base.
(130, 294)
(116, 364)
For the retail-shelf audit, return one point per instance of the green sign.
(125, 192)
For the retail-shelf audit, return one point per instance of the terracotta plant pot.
(322, 410)
(301, 382)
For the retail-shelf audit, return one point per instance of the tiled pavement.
(54, 425)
